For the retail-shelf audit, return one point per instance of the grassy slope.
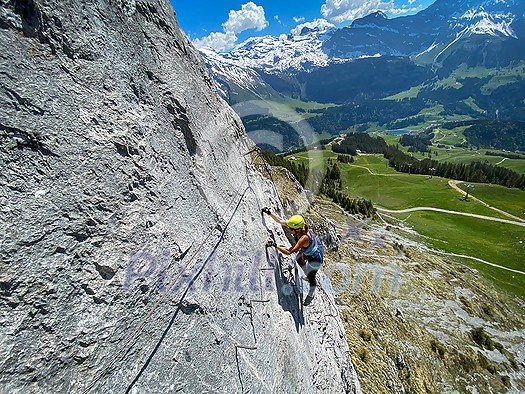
(427, 296)
(490, 241)
(463, 155)
(495, 78)
(494, 242)
(507, 199)
(454, 154)
(460, 155)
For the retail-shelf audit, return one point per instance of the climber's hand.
(270, 243)
(266, 210)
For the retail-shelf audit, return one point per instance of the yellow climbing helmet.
(296, 222)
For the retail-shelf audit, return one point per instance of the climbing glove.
(266, 210)
(270, 243)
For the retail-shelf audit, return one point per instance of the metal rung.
(246, 347)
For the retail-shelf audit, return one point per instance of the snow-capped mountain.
(226, 71)
(318, 43)
(428, 33)
(448, 33)
(300, 50)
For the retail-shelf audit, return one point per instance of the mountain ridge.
(444, 54)
(431, 31)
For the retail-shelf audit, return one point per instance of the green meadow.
(497, 243)
(462, 155)
(453, 154)
(501, 197)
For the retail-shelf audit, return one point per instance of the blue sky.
(222, 24)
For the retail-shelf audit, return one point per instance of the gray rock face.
(131, 244)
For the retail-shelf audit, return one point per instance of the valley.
(495, 242)
(417, 319)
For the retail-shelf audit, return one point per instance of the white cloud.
(250, 16)
(320, 24)
(339, 11)
(219, 42)
(404, 10)
(276, 17)
(298, 19)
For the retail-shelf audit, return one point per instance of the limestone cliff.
(131, 242)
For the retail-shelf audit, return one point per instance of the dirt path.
(376, 174)
(459, 213)
(366, 168)
(454, 185)
(472, 215)
(481, 261)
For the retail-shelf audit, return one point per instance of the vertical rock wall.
(131, 244)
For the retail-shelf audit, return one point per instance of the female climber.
(310, 248)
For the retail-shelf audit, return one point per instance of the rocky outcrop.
(131, 244)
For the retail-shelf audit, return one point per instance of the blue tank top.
(314, 251)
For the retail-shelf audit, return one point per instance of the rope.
(119, 356)
(157, 346)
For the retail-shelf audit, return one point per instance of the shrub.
(367, 336)
(363, 355)
(399, 247)
(466, 362)
(345, 158)
(466, 303)
(485, 363)
(438, 348)
(483, 340)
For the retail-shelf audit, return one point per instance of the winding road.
(473, 215)
(464, 214)
(480, 261)
(453, 184)
(517, 221)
